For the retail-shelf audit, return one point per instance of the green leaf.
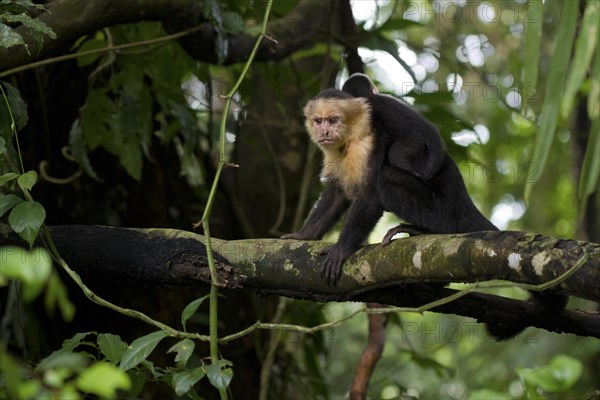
(71, 344)
(112, 347)
(32, 268)
(103, 379)
(10, 38)
(138, 380)
(233, 22)
(15, 107)
(140, 348)
(191, 309)
(95, 115)
(79, 151)
(533, 41)
(27, 180)
(26, 219)
(94, 43)
(56, 293)
(184, 350)
(63, 359)
(590, 169)
(593, 106)
(556, 80)
(7, 177)
(37, 28)
(183, 381)
(559, 376)
(131, 158)
(7, 202)
(584, 51)
(219, 374)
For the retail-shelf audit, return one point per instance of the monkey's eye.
(318, 121)
(333, 120)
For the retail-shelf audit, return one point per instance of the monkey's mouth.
(326, 141)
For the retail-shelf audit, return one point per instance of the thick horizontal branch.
(72, 19)
(408, 272)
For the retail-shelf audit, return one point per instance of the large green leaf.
(593, 106)
(26, 219)
(183, 381)
(584, 51)
(37, 28)
(533, 41)
(94, 43)
(112, 347)
(559, 376)
(191, 309)
(103, 379)
(140, 348)
(7, 202)
(32, 268)
(7, 177)
(219, 374)
(27, 180)
(590, 170)
(184, 350)
(64, 357)
(57, 294)
(79, 150)
(10, 38)
(556, 81)
(16, 108)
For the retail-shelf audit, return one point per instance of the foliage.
(17, 12)
(137, 101)
(108, 368)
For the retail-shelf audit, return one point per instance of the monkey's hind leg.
(402, 228)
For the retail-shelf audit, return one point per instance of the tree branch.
(72, 19)
(408, 273)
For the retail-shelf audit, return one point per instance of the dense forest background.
(126, 131)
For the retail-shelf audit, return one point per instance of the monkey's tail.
(549, 302)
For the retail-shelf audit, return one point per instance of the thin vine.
(214, 289)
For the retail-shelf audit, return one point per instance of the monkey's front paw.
(332, 266)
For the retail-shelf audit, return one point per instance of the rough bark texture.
(408, 272)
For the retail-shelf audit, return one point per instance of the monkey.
(380, 155)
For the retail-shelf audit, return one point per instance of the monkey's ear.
(309, 108)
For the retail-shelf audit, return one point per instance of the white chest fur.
(349, 166)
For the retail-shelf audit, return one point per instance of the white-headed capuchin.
(380, 155)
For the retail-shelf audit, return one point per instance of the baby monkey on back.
(380, 155)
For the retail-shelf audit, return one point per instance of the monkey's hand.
(332, 266)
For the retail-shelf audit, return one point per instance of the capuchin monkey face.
(326, 129)
(325, 122)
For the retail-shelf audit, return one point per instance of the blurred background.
(129, 137)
